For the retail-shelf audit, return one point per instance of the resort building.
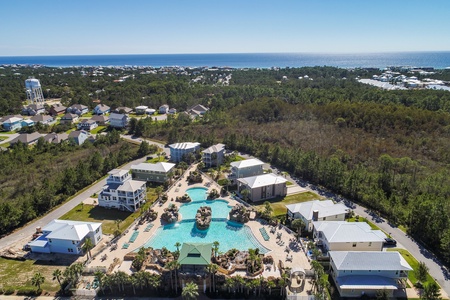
(358, 273)
(78, 109)
(121, 192)
(213, 156)
(316, 210)
(65, 236)
(262, 187)
(159, 172)
(347, 236)
(246, 168)
(118, 120)
(178, 150)
(194, 256)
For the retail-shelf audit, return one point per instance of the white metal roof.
(131, 186)
(186, 145)
(346, 232)
(69, 230)
(158, 167)
(325, 207)
(214, 148)
(118, 172)
(247, 163)
(262, 180)
(369, 260)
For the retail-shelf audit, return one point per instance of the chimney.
(315, 215)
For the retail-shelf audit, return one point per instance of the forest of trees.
(388, 150)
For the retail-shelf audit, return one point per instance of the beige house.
(246, 168)
(158, 172)
(262, 187)
(348, 236)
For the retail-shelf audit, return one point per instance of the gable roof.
(347, 232)
(262, 180)
(195, 254)
(77, 133)
(26, 138)
(69, 116)
(56, 137)
(186, 145)
(41, 118)
(127, 110)
(158, 167)
(116, 116)
(69, 230)
(102, 107)
(101, 118)
(58, 107)
(247, 163)
(325, 207)
(199, 108)
(369, 260)
(79, 106)
(131, 186)
(214, 149)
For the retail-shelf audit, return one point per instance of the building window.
(354, 244)
(97, 230)
(49, 240)
(335, 216)
(370, 244)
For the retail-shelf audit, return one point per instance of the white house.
(87, 125)
(348, 236)
(78, 136)
(262, 187)
(178, 150)
(246, 168)
(43, 119)
(122, 192)
(214, 155)
(78, 109)
(140, 110)
(118, 120)
(101, 109)
(365, 272)
(316, 210)
(65, 236)
(163, 109)
(158, 172)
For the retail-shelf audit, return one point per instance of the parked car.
(390, 242)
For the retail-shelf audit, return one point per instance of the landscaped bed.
(279, 205)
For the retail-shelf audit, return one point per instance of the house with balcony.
(121, 192)
(316, 210)
(347, 236)
(66, 236)
(246, 168)
(33, 109)
(179, 150)
(159, 172)
(358, 273)
(69, 119)
(118, 120)
(213, 156)
(87, 125)
(78, 109)
(263, 187)
(57, 109)
(101, 120)
(11, 123)
(101, 109)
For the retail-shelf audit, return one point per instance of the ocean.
(438, 60)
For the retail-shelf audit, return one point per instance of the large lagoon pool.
(228, 234)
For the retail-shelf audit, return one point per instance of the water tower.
(34, 91)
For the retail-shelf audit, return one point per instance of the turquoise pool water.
(219, 209)
(197, 193)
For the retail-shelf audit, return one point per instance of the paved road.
(28, 230)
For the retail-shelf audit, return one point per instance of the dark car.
(390, 242)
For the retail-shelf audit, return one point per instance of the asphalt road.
(28, 230)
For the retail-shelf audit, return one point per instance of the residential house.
(101, 120)
(101, 109)
(26, 138)
(122, 192)
(213, 156)
(11, 123)
(163, 109)
(43, 119)
(197, 111)
(140, 110)
(194, 256)
(150, 111)
(57, 109)
(66, 236)
(78, 109)
(358, 273)
(78, 136)
(87, 125)
(178, 150)
(33, 110)
(123, 109)
(69, 119)
(118, 120)
(172, 111)
(263, 187)
(246, 168)
(316, 210)
(158, 172)
(27, 123)
(56, 138)
(347, 236)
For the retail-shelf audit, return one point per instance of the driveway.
(9, 137)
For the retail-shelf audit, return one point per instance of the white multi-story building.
(121, 192)
(178, 150)
(246, 168)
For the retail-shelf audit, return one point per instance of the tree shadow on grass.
(101, 213)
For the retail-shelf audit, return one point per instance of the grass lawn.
(5, 145)
(361, 219)
(108, 217)
(278, 204)
(157, 159)
(8, 132)
(17, 274)
(288, 183)
(98, 129)
(402, 228)
(2, 138)
(413, 263)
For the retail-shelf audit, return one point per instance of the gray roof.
(41, 118)
(158, 167)
(98, 118)
(214, 149)
(326, 208)
(77, 133)
(56, 138)
(79, 106)
(369, 260)
(70, 230)
(247, 163)
(131, 186)
(367, 282)
(347, 232)
(116, 116)
(262, 180)
(69, 116)
(118, 172)
(26, 138)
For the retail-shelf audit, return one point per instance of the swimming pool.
(228, 234)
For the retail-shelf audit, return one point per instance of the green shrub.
(8, 290)
(28, 291)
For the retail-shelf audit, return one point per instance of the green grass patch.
(88, 114)
(402, 228)
(17, 275)
(2, 138)
(156, 159)
(361, 219)
(8, 132)
(413, 263)
(98, 129)
(288, 183)
(108, 217)
(279, 204)
(5, 145)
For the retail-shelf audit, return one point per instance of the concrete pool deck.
(294, 258)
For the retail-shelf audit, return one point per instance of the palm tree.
(87, 246)
(212, 269)
(140, 279)
(245, 193)
(158, 191)
(229, 283)
(155, 281)
(216, 248)
(270, 285)
(283, 282)
(120, 278)
(240, 282)
(100, 276)
(133, 282)
(108, 281)
(177, 244)
(298, 224)
(37, 280)
(190, 291)
(57, 274)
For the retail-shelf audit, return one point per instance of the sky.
(82, 27)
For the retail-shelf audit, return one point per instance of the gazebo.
(297, 280)
(193, 259)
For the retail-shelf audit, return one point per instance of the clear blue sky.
(63, 27)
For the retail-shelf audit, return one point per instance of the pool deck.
(295, 258)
